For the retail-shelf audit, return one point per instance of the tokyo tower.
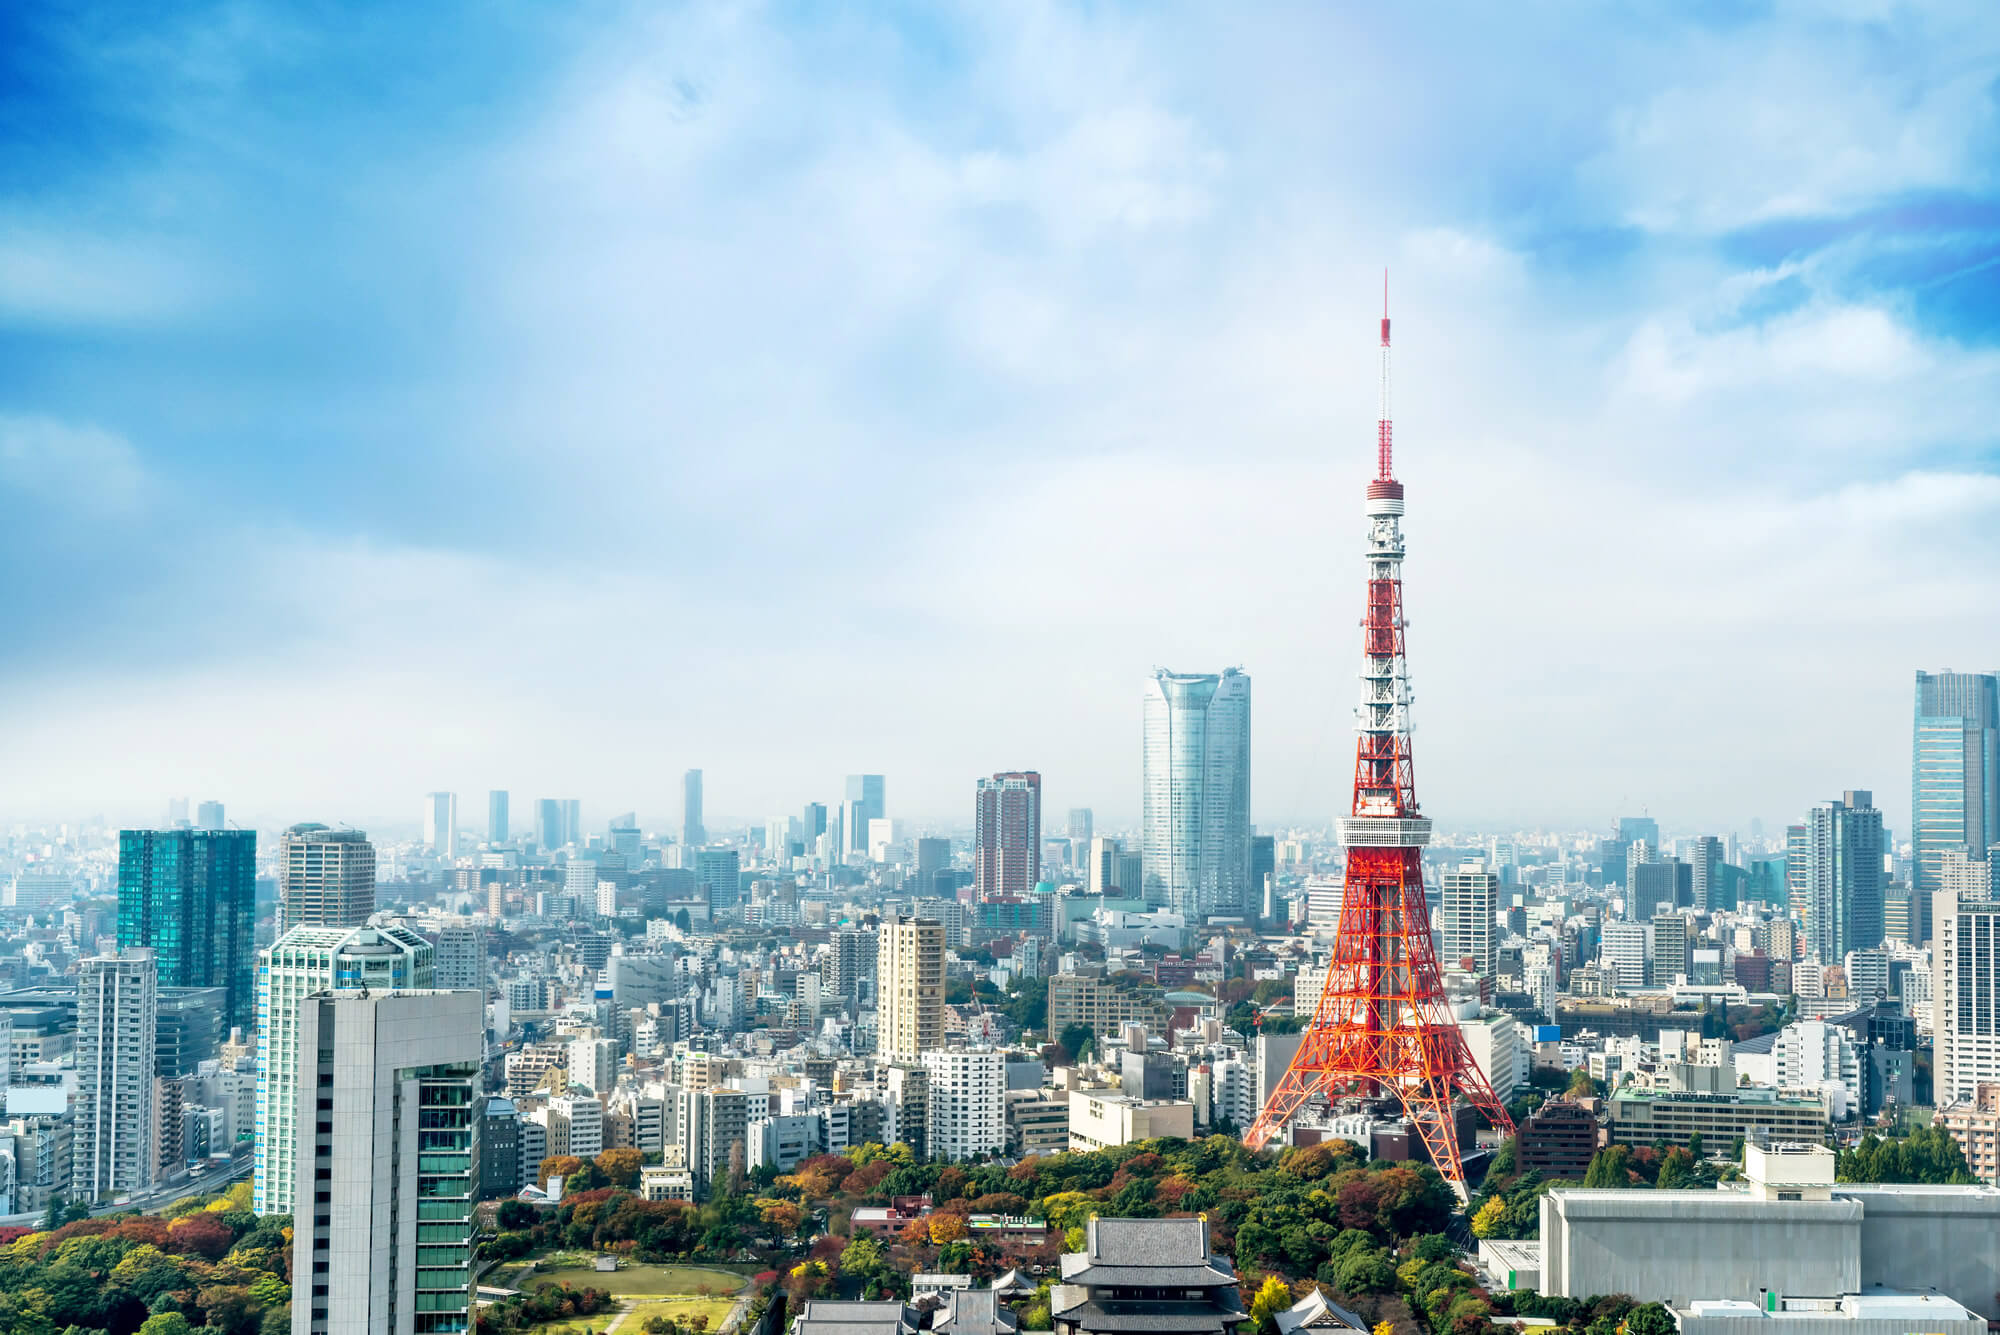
(1382, 1027)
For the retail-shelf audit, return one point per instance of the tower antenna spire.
(1382, 1029)
(1385, 461)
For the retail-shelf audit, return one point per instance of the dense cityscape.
(1021, 1079)
(718, 668)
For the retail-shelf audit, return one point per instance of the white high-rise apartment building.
(382, 1236)
(441, 823)
(461, 958)
(1233, 1090)
(593, 1061)
(1811, 1054)
(968, 1102)
(303, 961)
(1195, 797)
(117, 1028)
(1965, 994)
(909, 982)
(1306, 988)
(1471, 899)
(576, 1125)
(1625, 948)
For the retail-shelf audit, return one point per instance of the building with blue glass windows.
(190, 896)
(1954, 772)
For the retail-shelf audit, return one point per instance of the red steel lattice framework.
(1382, 1027)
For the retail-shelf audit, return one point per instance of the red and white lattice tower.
(1382, 1026)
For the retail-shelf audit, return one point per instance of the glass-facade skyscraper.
(694, 832)
(866, 800)
(190, 896)
(1844, 877)
(1195, 801)
(1954, 771)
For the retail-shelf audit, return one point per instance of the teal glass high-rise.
(190, 897)
(1954, 772)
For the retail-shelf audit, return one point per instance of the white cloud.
(77, 468)
(54, 276)
(1804, 118)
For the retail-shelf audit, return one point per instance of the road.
(152, 1202)
(159, 1198)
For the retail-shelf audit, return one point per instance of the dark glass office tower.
(190, 897)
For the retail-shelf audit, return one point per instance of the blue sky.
(554, 399)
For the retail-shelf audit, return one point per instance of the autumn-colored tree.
(565, 1166)
(1000, 1202)
(915, 1233)
(1273, 1298)
(866, 1181)
(862, 1258)
(948, 1227)
(201, 1235)
(783, 1218)
(620, 1166)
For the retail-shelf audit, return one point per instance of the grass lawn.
(676, 1309)
(577, 1325)
(649, 1280)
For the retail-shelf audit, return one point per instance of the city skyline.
(1720, 369)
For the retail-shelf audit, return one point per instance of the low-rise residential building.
(1037, 1122)
(1640, 1117)
(1099, 1119)
(1103, 1004)
(1559, 1139)
(1975, 1124)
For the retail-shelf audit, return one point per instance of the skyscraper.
(933, 856)
(1843, 880)
(1263, 873)
(1954, 771)
(1081, 824)
(1471, 899)
(909, 985)
(1007, 834)
(1195, 802)
(1704, 856)
(572, 821)
(496, 816)
(1659, 887)
(1102, 873)
(721, 870)
(693, 833)
(549, 824)
(208, 816)
(190, 896)
(304, 961)
(441, 823)
(812, 824)
(1632, 829)
(117, 1022)
(382, 1244)
(866, 800)
(326, 878)
(1965, 993)
(1673, 947)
